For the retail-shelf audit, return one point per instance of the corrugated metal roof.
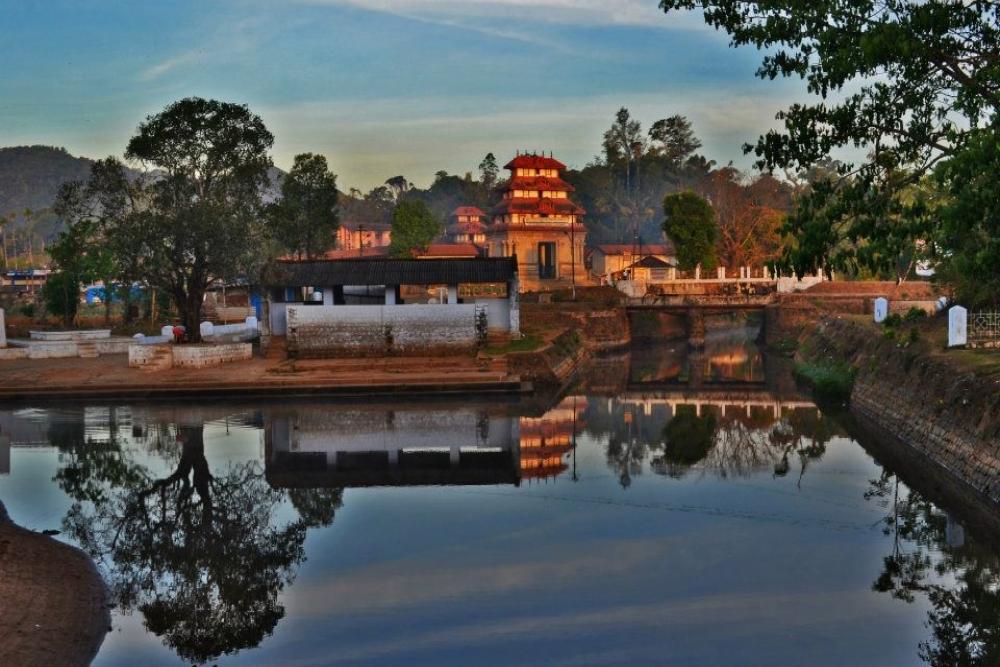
(387, 271)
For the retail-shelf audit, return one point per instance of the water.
(668, 510)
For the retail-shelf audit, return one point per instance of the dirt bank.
(53, 603)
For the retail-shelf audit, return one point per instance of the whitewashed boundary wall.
(321, 331)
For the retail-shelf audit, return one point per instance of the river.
(665, 509)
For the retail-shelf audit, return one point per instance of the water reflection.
(201, 554)
(931, 557)
(205, 547)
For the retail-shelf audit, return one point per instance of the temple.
(537, 222)
(467, 225)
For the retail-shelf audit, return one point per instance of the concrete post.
(881, 309)
(390, 295)
(697, 272)
(958, 323)
(452, 294)
(3, 330)
(720, 273)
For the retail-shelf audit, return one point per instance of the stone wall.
(949, 417)
(200, 356)
(330, 331)
(162, 357)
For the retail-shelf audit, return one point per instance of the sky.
(381, 87)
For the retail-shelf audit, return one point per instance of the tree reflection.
(960, 580)
(201, 555)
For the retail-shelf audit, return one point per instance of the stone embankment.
(942, 411)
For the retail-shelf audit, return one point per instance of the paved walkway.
(110, 377)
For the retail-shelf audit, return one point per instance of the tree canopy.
(690, 223)
(413, 228)
(912, 84)
(305, 218)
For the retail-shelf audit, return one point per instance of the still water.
(669, 509)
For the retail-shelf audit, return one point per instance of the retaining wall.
(330, 331)
(162, 357)
(949, 417)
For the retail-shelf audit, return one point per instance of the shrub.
(914, 314)
(893, 320)
(829, 380)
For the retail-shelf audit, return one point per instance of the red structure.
(537, 221)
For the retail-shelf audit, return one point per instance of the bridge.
(726, 401)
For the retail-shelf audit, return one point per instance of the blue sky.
(381, 87)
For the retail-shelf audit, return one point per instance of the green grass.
(527, 343)
(829, 381)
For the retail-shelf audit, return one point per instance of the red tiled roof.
(469, 227)
(534, 162)
(538, 183)
(540, 206)
(448, 250)
(354, 225)
(632, 249)
(468, 210)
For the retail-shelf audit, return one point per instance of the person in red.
(178, 333)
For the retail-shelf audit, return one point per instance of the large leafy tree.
(690, 224)
(105, 230)
(305, 218)
(674, 139)
(203, 219)
(413, 228)
(909, 82)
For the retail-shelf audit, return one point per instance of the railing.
(984, 329)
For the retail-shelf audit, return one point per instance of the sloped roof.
(449, 250)
(635, 249)
(534, 162)
(471, 211)
(651, 262)
(389, 271)
(544, 183)
(539, 205)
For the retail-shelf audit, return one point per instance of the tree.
(690, 225)
(970, 220)
(305, 218)
(413, 228)
(105, 229)
(674, 139)
(622, 141)
(749, 216)
(488, 171)
(203, 220)
(79, 257)
(398, 186)
(909, 82)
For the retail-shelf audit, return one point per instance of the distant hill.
(30, 176)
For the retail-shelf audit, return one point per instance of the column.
(390, 295)
(3, 331)
(452, 294)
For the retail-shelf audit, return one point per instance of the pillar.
(390, 295)
(452, 294)
(327, 296)
(513, 303)
(697, 272)
(3, 331)
(696, 328)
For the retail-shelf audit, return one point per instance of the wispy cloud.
(579, 12)
(172, 63)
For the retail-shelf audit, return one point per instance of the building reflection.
(311, 446)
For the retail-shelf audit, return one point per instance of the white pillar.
(452, 293)
(390, 295)
(881, 309)
(206, 329)
(720, 273)
(3, 331)
(958, 326)
(697, 272)
(327, 296)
